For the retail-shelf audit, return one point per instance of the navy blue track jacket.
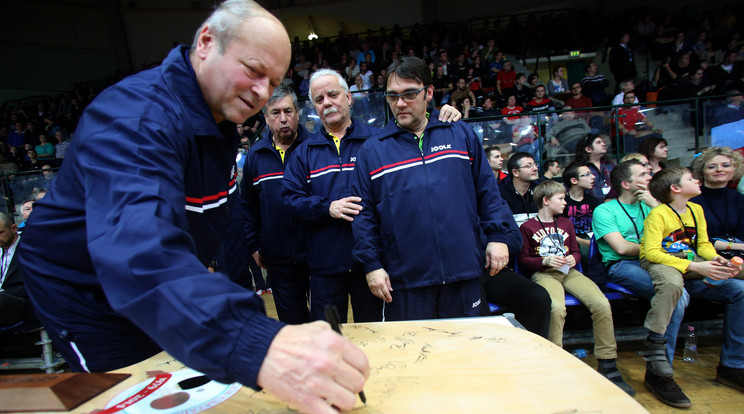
(269, 225)
(136, 212)
(315, 176)
(426, 212)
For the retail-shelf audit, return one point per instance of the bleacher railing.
(688, 125)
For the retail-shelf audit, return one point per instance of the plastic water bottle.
(690, 354)
(579, 353)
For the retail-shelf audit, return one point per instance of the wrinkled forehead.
(325, 85)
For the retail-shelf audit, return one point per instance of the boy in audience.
(550, 253)
(618, 228)
(675, 249)
(580, 204)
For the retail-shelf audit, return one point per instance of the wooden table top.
(432, 366)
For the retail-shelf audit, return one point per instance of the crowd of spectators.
(694, 55)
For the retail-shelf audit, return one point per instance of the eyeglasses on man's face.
(528, 166)
(408, 96)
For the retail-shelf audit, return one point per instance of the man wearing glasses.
(517, 191)
(429, 208)
(317, 187)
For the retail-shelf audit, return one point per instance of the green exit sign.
(574, 53)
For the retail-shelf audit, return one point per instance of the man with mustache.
(317, 189)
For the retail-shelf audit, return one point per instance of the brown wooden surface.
(53, 392)
(444, 366)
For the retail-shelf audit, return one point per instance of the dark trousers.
(258, 281)
(452, 300)
(12, 309)
(529, 301)
(291, 286)
(335, 290)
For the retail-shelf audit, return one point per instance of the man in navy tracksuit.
(317, 189)
(116, 254)
(429, 199)
(273, 239)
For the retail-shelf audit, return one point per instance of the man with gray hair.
(317, 188)
(142, 212)
(275, 240)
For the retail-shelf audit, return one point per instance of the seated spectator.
(521, 90)
(441, 87)
(33, 163)
(496, 161)
(725, 73)
(525, 137)
(592, 152)
(733, 111)
(506, 78)
(45, 149)
(517, 191)
(557, 85)
(618, 228)
(532, 81)
(718, 168)
(638, 157)
(488, 108)
(539, 103)
(625, 86)
(380, 81)
(580, 204)
(464, 105)
(462, 91)
(549, 255)
(675, 250)
(62, 145)
(695, 87)
(594, 84)
(496, 65)
(656, 151)
(17, 137)
(577, 99)
(366, 73)
(634, 125)
(551, 171)
(511, 108)
(351, 70)
(14, 303)
(664, 75)
(564, 134)
(489, 53)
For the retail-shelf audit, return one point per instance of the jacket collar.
(180, 79)
(268, 142)
(392, 129)
(354, 131)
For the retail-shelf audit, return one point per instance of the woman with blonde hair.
(718, 168)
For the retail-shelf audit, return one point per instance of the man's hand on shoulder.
(449, 114)
(314, 369)
(379, 284)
